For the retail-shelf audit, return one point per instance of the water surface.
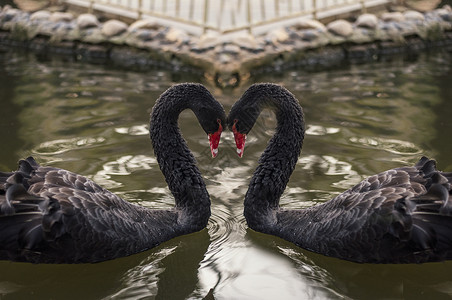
(93, 120)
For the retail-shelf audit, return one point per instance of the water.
(90, 119)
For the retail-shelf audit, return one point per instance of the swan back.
(403, 215)
(50, 215)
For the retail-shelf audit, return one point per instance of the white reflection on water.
(391, 145)
(63, 145)
(233, 263)
(330, 165)
(320, 130)
(124, 165)
(133, 130)
(142, 280)
(245, 272)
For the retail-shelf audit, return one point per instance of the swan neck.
(176, 161)
(277, 162)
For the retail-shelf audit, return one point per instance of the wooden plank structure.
(225, 17)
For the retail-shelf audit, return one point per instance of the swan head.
(211, 116)
(212, 121)
(194, 96)
(241, 120)
(239, 138)
(246, 110)
(214, 139)
(243, 115)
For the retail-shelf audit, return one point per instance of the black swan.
(402, 215)
(50, 215)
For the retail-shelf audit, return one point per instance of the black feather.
(50, 215)
(401, 215)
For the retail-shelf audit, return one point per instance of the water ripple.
(390, 145)
(142, 281)
(63, 145)
(320, 130)
(332, 166)
(124, 165)
(133, 130)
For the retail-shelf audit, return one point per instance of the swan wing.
(409, 205)
(50, 213)
(400, 215)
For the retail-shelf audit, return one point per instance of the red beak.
(239, 140)
(214, 140)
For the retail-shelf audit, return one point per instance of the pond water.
(93, 120)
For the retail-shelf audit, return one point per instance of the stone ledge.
(229, 61)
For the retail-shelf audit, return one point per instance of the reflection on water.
(123, 166)
(92, 120)
(63, 145)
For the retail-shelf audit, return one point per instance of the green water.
(361, 119)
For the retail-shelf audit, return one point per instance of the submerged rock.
(206, 42)
(87, 21)
(279, 35)
(246, 41)
(309, 24)
(413, 15)
(445, 13)
(113, 28)
(144, 24)
(393, 17)
(41, 15)
(367, 20)
(228, 59)
(176, 36)
(61, 17)
(231, 49)
(144, 34)
(93, 35)
(340, 27)
(310, 35)
(9, 14)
